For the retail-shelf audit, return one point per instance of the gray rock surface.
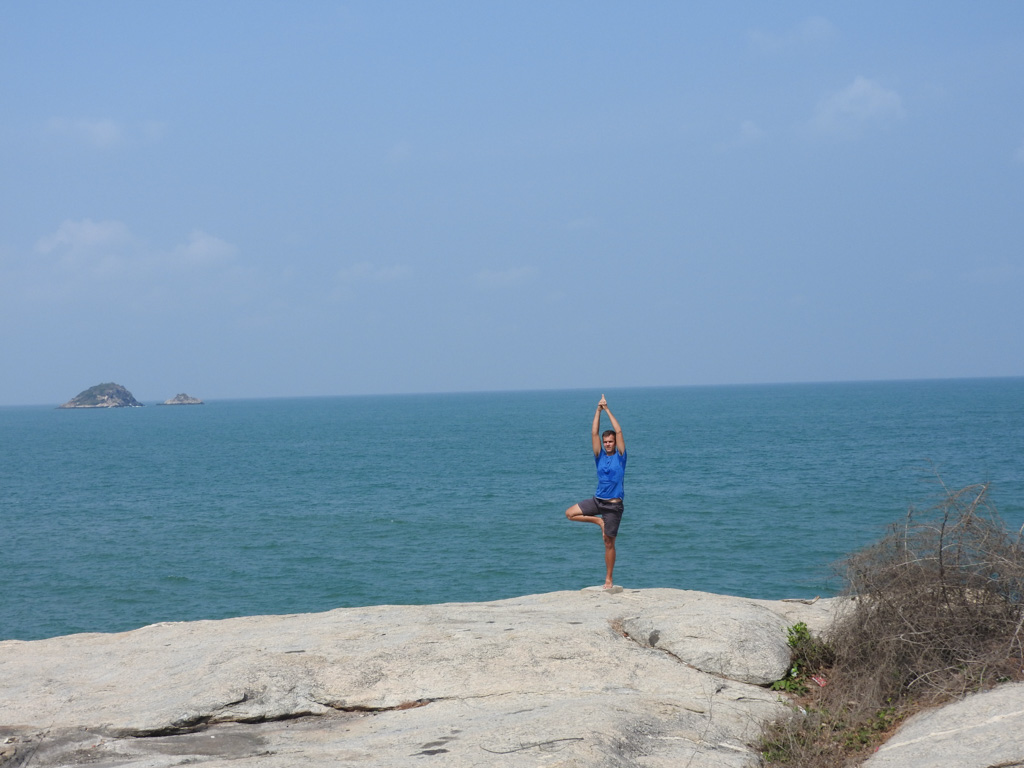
(584, 679)
(729, 641)
(648, 678)
(985, 730)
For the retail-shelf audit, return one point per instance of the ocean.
(114, 519)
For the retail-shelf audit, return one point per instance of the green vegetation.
(97, 394)
(809, 655)
(936, 612)
(108, 395)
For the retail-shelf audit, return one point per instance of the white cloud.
(203, 249)
(105, 133)
(347, 280)
(999, 274)
(582, 224)
(400, 152)
(364, 270)
(749, 133)
(87, 259)
(861, 105)
(388, 274)
(154, 130)
(97, 248)
(102, 134)
(505, 277)
(85, 236)
(814, 32)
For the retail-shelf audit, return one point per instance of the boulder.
(984, 730)
(735, 639)
(638, 678)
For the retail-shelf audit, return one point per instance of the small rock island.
(183, 399)
(107, 395)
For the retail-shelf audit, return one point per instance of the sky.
(270, 199)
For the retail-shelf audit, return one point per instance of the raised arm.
(620, 441)
(595, 431)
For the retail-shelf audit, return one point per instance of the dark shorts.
(611, 511)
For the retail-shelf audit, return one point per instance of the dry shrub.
(939, 606)
(936, 612)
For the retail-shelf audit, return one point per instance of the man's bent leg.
(609, 560)
(575, 513)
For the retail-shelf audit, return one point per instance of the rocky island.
(654, 678)
(107, 395)
(183, 399)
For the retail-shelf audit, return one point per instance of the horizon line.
(721, 385)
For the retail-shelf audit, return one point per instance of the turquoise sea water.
(112, 519)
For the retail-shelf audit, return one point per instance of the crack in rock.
(203, 722)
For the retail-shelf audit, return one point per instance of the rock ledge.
(654, 678)
(644, 677)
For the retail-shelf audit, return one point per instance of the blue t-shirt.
(611, 469)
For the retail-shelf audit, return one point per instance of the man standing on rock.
(605, 508)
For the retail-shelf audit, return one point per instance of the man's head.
(608, 440)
